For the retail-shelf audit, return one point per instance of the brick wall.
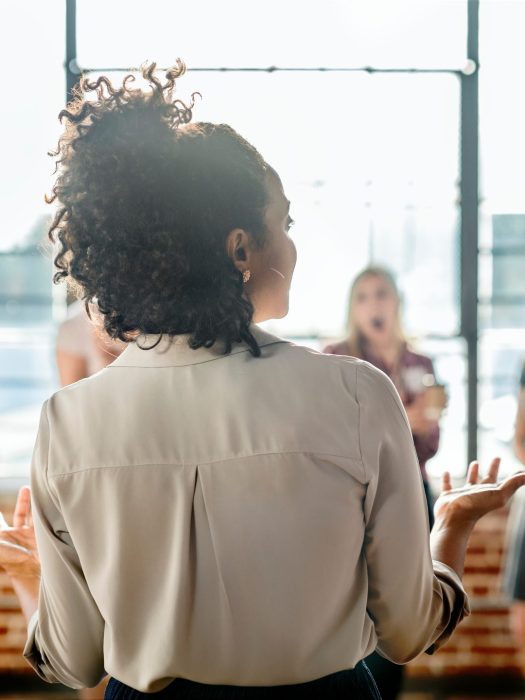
(12, 623)
(481, 645)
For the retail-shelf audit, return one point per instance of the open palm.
(477, 497)
(18, 550)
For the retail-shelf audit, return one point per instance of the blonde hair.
(355, 339)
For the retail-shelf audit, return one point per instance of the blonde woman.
(82, 346)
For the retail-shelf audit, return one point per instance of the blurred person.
(219, 512)
(514, 568)
(375, 334)
(83, 347)
(519, 432)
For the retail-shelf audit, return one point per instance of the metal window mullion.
(469, 223)
(70, 62)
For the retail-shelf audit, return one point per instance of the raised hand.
(478, 497)
(18, 551)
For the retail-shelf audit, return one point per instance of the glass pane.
(449, 357)
(234, 33)
(502, 239)
(502, 105)
(501, 358)
(27, 378)
(29, 129)
(30, 108)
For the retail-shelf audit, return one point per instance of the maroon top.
(407, 377)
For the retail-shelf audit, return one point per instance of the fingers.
(492, 474)
(446, 483)
(473, 473)
(512, 484)
(7, 548)
(13, 558)
(23, 507)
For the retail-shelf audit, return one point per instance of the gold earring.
(246, 276)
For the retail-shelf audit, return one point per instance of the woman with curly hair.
(218, 513)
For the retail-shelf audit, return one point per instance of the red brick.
(493, 650)
(480, 590)
(491, 570)
(493, 612)
(472, 550)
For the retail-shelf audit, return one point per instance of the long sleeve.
(65, 636)
(415, 604)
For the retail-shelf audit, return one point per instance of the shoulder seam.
(46, 474)
(365, 476)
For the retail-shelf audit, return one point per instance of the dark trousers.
(388, 676)
(430, 503)
(355, 684)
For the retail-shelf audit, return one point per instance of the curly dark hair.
(146, 201)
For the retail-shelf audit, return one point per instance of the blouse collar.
(175, 351)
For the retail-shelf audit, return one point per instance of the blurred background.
(397, 128)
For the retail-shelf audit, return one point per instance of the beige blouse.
(231, 520)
